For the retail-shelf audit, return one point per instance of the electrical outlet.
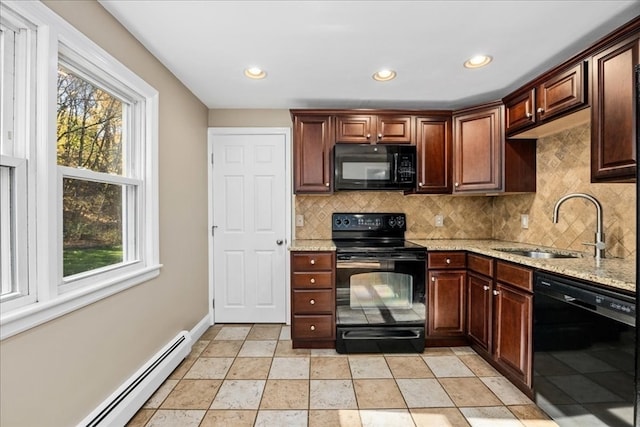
(524, 221)
(439, 220)
(299, 220)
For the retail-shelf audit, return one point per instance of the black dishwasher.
(584, 352)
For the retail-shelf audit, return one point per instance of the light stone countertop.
(611, 272)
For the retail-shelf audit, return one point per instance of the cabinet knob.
(368, 135)
(433, 279)
(448, 260)
(456, 185)
(540, 110)
(379, 136)
(312, 281)
(313, 327)
(326, 184)
(312, 262)
(485, 287)
(529, 115)
(420, 184)
(312, 301)
(496, 292)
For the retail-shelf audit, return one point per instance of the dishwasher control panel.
(615, 305)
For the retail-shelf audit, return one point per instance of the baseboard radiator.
(123, 404)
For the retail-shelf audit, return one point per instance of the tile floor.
(249, 375)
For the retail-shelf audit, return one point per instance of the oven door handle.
(359, 263)
(343, 259)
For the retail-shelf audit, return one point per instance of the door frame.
(286, 132)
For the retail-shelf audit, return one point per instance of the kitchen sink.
(537, 253)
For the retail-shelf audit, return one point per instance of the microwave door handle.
(395, 168)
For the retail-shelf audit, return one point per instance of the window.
(78, 170)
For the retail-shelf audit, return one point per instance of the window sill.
(35, 314)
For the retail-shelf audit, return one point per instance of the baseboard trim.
(125, 402)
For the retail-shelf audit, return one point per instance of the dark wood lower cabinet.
(313, 323)
(479, 309)
(512, 332)
(446, 305)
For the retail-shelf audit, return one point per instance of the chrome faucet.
(599, 244)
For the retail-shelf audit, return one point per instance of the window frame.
(56, 38)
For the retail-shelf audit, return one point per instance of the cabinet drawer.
(480, 264)
(313, 327)
(312, 280)
(313, 301)
(305, 261)
(515, 275)
(446, 259)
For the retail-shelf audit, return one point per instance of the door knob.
(279, 242)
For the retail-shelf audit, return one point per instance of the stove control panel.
(369, 222)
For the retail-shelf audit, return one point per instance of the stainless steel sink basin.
(533, 253)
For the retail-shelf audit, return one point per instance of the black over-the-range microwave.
(374, 166)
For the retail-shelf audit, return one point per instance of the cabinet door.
(355, 128)
(479, 309)
(519, 112)
(433, 147)
(613, 133)
(394, 129)
(312, 143)
(478, 146)
(446, 303)
(512, 334)
(563, 92)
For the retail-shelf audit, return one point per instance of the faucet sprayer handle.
(597, 245)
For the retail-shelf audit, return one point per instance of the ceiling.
(322, 54)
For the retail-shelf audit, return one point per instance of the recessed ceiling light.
(478, 61)
(384, 75)
(255, 73)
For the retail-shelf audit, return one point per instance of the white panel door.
(249, 218)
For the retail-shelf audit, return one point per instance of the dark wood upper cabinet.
(613, 131)
(312, 144)
(520, 111)
(558, 94)
(372, 128)
(434, 151)
(477, 149)
(484, 162)
(563, 92)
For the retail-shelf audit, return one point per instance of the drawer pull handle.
(448, 261)
(313, 327)
(312, 262)
(312, 301)
(485, 287)
(312, 280)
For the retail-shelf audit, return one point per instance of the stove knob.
(346, 222)
(392, 222)
(400, 222)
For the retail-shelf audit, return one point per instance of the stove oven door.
(380, 302)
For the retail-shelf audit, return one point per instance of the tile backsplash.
(563, 166)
